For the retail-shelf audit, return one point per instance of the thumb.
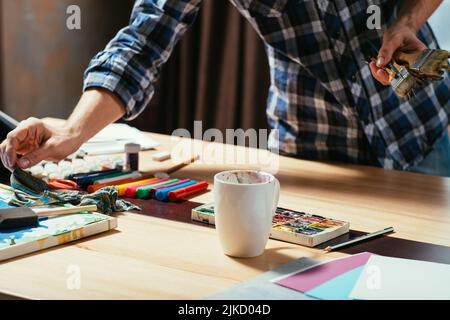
(34, 157)
(387, 50)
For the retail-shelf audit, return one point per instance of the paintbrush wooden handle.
(48, 212)
(406, 59)
(172, 169)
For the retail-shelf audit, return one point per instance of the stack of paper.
(367, 276)
(113, 138)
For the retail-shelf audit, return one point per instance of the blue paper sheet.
(338, 288)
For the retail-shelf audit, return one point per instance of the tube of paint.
(132, 156)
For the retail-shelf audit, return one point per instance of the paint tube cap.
(132, 148)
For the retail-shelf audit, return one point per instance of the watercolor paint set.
(288, 225)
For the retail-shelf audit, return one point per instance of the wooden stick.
(172, 169)
(48, 212)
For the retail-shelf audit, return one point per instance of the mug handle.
(277, 196)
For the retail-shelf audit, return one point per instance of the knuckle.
(11, 134)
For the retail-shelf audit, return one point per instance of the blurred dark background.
(218, 73)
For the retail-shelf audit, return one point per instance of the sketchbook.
(52, 232)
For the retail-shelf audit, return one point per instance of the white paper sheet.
(394, 278)
(113, 138)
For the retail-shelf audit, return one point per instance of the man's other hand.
(396, 38)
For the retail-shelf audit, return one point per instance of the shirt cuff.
(110, 75)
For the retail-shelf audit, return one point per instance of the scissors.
(62, 184)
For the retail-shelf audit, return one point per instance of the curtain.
(218, 74)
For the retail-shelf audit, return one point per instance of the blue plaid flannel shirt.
(322, 99)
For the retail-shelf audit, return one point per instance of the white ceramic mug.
(244, 204)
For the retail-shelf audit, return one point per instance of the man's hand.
(396, 38)
(37, 141)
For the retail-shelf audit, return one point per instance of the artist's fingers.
(379, 74)
(3, 155)
(11, 152)
(47, 151)
(390, 45)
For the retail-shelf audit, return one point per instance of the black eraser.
(17, 218)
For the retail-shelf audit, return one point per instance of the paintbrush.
(410, 70)
(23, 217)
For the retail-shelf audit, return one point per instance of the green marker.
(144, 192)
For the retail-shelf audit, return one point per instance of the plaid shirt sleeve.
(130, 63)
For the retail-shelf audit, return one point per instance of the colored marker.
(123, 186)
(95, 187)
(161, 195)
(176, 195)
(132, 175)
(144, 192)
(110, 176)
(83, 174)
(153, 190)
(84, 181)
(131, 191)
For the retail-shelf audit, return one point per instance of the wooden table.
(147, 257)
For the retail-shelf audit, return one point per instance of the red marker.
(131, 190)
(187, 191)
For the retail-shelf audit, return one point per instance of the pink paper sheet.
(306, 280)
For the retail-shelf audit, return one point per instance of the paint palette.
(288, 225)
(304, 228)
